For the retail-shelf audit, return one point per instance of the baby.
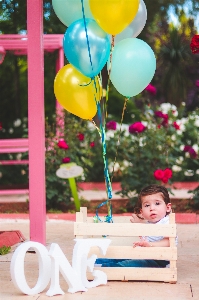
(153, 206)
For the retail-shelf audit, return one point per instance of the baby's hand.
(141, 243)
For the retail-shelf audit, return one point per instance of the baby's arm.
(143, 243)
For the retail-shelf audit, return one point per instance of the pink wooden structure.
(34, 45)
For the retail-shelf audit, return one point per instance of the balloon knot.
(86, 84)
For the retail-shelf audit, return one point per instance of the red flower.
(195, 44)
(163, 175)
(158, 174)
(176, 126)
(92, 144)
(80, 136)
(168, 173)
(164, 122)
(165, 179)
(160, 114)
(111, 125)
(66, 160)
(62, 144)
(165, 117)
(1, 126)
(136, 127)
(151, 89)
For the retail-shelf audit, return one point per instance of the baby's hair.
(150, 190)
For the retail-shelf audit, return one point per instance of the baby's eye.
(157, 203)
(146, 205)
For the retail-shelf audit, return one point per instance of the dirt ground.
(62, 233)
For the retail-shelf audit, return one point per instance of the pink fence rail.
(14, 146)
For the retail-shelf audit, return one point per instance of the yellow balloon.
(76, 93)
(114, 15)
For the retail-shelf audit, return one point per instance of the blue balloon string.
(108, 218)
(102, 129)
(87, 40)
(106, 172)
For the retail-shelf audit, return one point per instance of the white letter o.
(17, 268)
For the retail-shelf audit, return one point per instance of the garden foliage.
(161, 147)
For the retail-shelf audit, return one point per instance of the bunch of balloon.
(87, 47)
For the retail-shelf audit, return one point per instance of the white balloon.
(136, 26)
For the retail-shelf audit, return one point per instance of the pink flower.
(197, 83)
(192, 153)
(151, 89)
(176, 126)
(92, 144)
(136, 127)
(158, 174)
(158, 114)
(186, 148)
(66, 160)
(165, 117)
(80, 136)
(165, 122)
(111, 125)
(62, 144)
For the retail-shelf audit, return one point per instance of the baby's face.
(154, 208)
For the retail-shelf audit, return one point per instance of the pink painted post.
(36, 124)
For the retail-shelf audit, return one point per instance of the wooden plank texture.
(116, 219)
(124, 229)
(148, 274)
(166, 253)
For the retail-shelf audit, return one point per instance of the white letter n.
(60, 263)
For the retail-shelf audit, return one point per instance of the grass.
(54, 211)
(5, 250)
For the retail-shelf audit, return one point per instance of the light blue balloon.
(133, 66)
(68, 11)
(76, 48)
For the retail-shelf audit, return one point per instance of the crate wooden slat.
(140, 274)
(124, 229)
(128, 252)
(117, 219)
(85, 226)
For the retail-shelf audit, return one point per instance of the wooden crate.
(121, 227)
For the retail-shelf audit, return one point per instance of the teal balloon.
(77, 46)
(133, 66)
(69, 11)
